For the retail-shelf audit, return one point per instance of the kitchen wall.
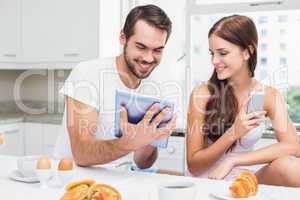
(33, 88)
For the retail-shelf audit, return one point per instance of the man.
(90, 92)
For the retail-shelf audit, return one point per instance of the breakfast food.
(65, 164)
(78, 190)
(245, 185)
(103, 192)
(88, 182)
(43, 163)
(87, 189)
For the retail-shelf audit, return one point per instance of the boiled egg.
(65, 164)
(43, 163)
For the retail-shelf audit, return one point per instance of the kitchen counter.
(9, 118)
(132, 185)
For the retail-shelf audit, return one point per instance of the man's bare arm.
(82, 127)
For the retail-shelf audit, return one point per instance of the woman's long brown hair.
(222, 106)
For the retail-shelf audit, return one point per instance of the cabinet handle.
(10, 55)
(171, 150)
(71, 54)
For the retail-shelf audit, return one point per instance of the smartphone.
(256, 102)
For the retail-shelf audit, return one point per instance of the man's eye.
(140, 47)
(158, 50)
(211, 53)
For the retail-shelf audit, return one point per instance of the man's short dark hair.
(151, 14)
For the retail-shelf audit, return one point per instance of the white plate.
(225, 195)
(17, 176)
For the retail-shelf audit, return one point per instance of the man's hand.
(138, 135)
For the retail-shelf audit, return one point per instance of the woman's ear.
(247, 52)
(122, 38)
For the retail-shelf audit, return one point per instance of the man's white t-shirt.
(95, 83)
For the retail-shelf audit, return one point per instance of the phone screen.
(256, 102)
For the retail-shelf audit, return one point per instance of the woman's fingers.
(258, 114)
(256, 121)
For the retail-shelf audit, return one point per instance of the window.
(273, 68)
(263, 61)
(263, 19)
(282, 47)
(282, 32)
(282, 18)
(282, 62)
(263, 47)
(263, 33)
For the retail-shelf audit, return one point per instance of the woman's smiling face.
(227, 58)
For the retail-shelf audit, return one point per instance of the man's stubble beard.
(131, 67)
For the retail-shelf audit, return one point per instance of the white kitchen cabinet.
(13, 139)
(40, 138)
(59, 30)
(33, 138)
(10, 17)
(49, 31)
(172, 157)
(50, 134)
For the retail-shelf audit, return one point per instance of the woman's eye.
(223, 53)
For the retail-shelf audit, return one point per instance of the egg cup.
(65, 176)
(44, 176)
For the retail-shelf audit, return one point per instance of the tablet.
(137, 105)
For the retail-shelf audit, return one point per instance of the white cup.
(27, 165)
(177, 191)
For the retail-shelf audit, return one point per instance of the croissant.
(78, 190)
(245, 185)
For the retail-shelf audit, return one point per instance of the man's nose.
(148, 57)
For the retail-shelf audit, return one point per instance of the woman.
(221, 134)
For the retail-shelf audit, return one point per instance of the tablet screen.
(137, 106)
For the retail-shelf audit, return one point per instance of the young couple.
(220, 133)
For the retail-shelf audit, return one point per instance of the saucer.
(17, 176)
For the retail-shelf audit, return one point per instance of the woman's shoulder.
(200, 95)
(201, 89)
(267, 89)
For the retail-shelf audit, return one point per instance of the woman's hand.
(222, 170)
(244, 121)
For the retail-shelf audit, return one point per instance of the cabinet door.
(59, 30)
(13, 140)
(50, 132)
(33, 138)
(172, 157)
(10, 30)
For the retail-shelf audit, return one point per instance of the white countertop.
(135, 186)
